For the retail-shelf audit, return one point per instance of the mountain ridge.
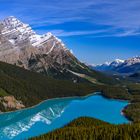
(128, 66)
(34, 52)
(46, 54)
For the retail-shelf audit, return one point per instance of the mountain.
(130, 66)
(123, 67)
(46, 54)
(20, 45)
(107, 66)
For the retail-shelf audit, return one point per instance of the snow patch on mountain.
(132, 61)
(17, 31)
(117, 62)
(107, 66)
(119, 66)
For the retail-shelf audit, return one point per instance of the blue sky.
(96, 30)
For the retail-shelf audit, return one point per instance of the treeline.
(31, 88)
(92, 129)
(125, 91)
(132, 111)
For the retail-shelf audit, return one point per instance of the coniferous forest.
(32, 88)
(70, 69)
(93, 129)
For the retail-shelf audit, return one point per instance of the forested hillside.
(93, 129)
(32, 88)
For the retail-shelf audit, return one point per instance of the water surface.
(55, 113)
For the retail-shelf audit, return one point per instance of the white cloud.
(76, 33)
(122, 16)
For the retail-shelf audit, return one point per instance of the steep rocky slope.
(46, 54)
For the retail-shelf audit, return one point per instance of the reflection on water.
(55, 113)
(12, 124)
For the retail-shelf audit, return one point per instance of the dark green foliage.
(132, 111)
(31, 87)
(92, 129)
(130, 92)
(3, 92)
(115, 92)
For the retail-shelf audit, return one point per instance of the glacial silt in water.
(55, 113)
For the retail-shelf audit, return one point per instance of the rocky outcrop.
(10, 103)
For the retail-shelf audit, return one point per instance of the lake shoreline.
(86, 96)
(55, 113)
(26, 108)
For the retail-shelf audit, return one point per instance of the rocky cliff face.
(46, 54)
(10, 103)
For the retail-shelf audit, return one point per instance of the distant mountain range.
(130, 66)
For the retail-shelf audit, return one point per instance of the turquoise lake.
(55, 113)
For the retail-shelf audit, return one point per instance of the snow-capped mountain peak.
(46, 53)
(17, 31)
(132, 60)
(116, 62)
(107, 63)
(128, 66)
(11, 22)
(119, 61)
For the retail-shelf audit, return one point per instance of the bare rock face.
(13, 103)
(46, 54)
(10, 103)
